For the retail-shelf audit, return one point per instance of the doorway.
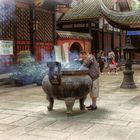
(75, 50)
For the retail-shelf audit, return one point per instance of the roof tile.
(88, 9)
(76, 35)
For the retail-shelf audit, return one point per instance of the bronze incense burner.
(66, 84)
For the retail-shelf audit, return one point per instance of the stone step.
(4, 79)
(5, 82)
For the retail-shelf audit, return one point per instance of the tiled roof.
(76, 35)
(125, 19)
(88, 9)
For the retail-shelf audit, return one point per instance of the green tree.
(135, 4)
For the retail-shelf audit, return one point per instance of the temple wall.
(66, 45)
(17, 26)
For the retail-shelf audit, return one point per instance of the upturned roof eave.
(122, 26)
(123, 20)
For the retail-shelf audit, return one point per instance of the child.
(113, 66)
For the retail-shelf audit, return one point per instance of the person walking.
(90, 62)
(101, 60)
(117, 55)
(117, 59)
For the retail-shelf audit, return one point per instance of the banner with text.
(6, 47)
(58, 53)
(66, 52)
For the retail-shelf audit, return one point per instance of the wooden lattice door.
(7, 11)
(23, 28)
(44, 33)
(7, 17)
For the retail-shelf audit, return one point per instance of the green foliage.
(25, 57)
(27, 70)
(41, 71)
(32, 72)
(135, 4)
(24, 72)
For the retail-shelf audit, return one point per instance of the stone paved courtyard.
(24, 114)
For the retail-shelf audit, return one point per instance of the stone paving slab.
(24, 114)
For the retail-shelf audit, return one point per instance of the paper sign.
(66, 52)
(58, 53)
(6, 47)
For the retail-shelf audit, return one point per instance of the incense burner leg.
(81, 101)
(69, 104)
(51, 102)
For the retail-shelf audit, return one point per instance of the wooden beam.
(32, 31)
(90, 28)
(15, 34)
(54, 27)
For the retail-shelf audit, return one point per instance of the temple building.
(87, 17)
(40, 25)
(129, 21)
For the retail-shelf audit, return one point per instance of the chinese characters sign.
(58, 53)
(6, 47)
(66, 52)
